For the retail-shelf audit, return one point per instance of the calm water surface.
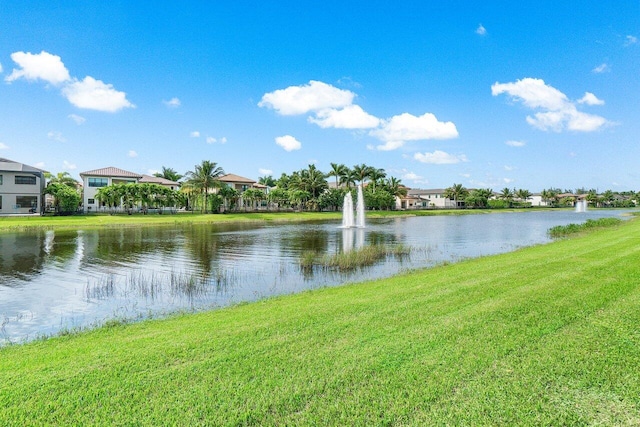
(52, 281)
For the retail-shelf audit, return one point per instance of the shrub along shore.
(546, 335)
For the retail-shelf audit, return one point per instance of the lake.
(53, 281)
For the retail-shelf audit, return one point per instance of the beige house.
(98, 178)
(173, 185)
(21, 188)
(422, 199)
(237, 182)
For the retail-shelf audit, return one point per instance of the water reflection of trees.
(21, 254)
(127, 244)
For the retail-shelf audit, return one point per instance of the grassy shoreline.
(546, 335)
(9, 223)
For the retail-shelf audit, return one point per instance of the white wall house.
(21, 188)
(98, 178)
(422, 199)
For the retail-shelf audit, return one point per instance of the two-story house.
(21, 188)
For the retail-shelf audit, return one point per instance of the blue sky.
(495, 94)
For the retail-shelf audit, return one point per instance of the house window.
(91, 201)
(245, 187)
(27, 201)
(0, 179)
(26, 180)
(98, 182)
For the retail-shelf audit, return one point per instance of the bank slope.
(548, 335)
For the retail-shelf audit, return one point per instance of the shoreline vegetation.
(545, 335)
(18, 223)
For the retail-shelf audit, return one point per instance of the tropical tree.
(109, 196)
(230, 197)
(66, 199)
(456, 192)
(267, 181)
(507, 195)
(279, 197)
(608, 197)
(338, 171)
(362, 172)
(205, 177)
(394, 186)
(523, 195)
(349, 178)
(61, 178)
(168, 173)
(376, 175)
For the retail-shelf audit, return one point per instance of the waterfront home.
(417, 198)
(21, 188)
(98, 178)
(237, 182)
(172, 185)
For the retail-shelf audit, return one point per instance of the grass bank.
(13, 223)
(547, 335)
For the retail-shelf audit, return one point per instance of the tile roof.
(111, 171)
(157, 180)
(235, 178)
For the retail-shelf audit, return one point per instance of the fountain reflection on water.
(581, 206)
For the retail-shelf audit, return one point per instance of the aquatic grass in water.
(590, 224)
(351, 260)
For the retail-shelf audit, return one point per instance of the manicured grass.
(547, 335)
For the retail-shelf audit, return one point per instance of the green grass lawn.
(547, 335)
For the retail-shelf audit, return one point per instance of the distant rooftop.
(236, 178)
(157, 180)
(12, 165)
(111, 171)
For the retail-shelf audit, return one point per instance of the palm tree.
(395, 187)
(376, 175)
(456, 192)
(507, 195)
(362, 172)
(61, 178)
(338, 170)
(168, 173)
(267, 181)
(523, 195)
(349, 178)
(204, 177)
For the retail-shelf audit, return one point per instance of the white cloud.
(349, 117)
(512, 143)
(68, 166)
(288, 142)
(559, 112)
(628, 41)
(508, 168)
(481, 30)
(76, 118)
(43, 66)
(132, 153)
(440, 158)
(534, 93)
(211, 140)
(94, 94)
(410, 176)
(172, 103)
(0, 68)
(56, 136)
(152, 172)
(387, 146)
(194, 134)
(39, 165)
(302, 99)
(265, 172)
(590, 99)
(407, 127)
(3, 146)
(602, 68)
(223, 140)
(507, 180)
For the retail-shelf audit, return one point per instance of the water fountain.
(348, 219)
(581, 206)
(347, 211)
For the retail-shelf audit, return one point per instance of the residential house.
(98, 178)
(173, 185)
(21, 188)
(237, 182)
(422, 199)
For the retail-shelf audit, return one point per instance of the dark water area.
(53, 281)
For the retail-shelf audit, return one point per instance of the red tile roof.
(111, 171)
